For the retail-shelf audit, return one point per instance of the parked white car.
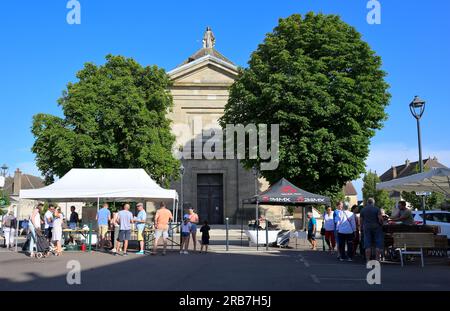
(437, 218)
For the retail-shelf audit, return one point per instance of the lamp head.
(417, 107)
(181, 169)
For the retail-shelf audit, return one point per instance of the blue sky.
(40, 53)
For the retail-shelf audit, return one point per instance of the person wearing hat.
(9, 229)
(186, 227)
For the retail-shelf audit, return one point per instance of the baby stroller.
(283, 238)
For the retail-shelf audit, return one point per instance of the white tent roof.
(93, 184)
(434, 180)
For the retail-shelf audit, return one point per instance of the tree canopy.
(382, 199)
(434, 201)
(114, 117)
(324, 86)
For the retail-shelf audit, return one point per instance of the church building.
(215, 188)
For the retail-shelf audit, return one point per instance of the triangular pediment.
(206, 70)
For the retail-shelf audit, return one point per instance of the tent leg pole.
(257, 225)
(242, 222)
(17, 226)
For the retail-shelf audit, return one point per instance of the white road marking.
(315, 278)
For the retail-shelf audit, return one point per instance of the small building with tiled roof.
(407, 169)
(13, 184)
(351, 196)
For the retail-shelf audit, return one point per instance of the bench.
(416, 241)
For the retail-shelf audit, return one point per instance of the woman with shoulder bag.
(346, 233)
(328, 229)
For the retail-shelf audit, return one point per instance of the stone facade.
(214, 188)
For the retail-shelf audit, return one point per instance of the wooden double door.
(210, 198)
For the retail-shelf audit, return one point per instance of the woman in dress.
(57, 231)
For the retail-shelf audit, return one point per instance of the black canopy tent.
(283, 193)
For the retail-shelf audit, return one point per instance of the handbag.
(322, 230)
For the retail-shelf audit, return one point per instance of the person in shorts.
(312, 227)
(372, 220)
(57, 231)
(125, 220)
(186, 228)
(162, 218)
(140, 220)
(193, 219)
(205, 236)
(103, 218)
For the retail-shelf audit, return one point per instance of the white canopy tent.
(434, 180)
(90, 185)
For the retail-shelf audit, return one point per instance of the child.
(205, 236)
(185, 233)
(57, 231)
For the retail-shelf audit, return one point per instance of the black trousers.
(346, 239)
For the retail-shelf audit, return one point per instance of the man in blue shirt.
(312, 227)
(140, 220)
(103, 219)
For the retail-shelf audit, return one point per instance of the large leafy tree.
(114, 117)
(317, 79)
(369, 190)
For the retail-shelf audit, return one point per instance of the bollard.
(267, 236)
(226, 228)
(323, 242)
(90, 237)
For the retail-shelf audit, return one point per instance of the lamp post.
(417, 108)
(256, 174)
(4, 170)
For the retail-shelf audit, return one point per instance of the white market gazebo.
(434, 180)
(93, 185)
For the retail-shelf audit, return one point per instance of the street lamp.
(417, 108)
(256, 174)
(4, 170)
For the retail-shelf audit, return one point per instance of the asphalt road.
(280, 270)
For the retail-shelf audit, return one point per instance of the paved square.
(278, 270)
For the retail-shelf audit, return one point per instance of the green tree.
(114, 117)
(433, 201)
(317, 79)
(369, 190)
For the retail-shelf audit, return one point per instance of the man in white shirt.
(48, 222)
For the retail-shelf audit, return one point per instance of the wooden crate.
(440, 242)
(414, 240)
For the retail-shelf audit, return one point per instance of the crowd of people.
(114, 228)
(346, 230)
